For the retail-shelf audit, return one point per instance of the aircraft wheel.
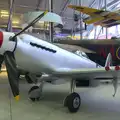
(73, 102)
(34, 93)
(34, 99)
(65, 101)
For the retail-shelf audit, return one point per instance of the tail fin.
(108, 62)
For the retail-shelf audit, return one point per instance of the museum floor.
(97, 103)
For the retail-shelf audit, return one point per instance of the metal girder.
(9, 25)
(113, 3)
(38, 4)
(64, 7)
(106, 30)
(81, 32)
(51, 24)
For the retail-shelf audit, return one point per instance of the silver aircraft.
(37, 57)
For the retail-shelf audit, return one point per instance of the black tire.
(73, 102)
(33, 98)
(65, 101)
(33, 88)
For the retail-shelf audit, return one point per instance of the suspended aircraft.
(98, 17)
(35, 56)
(99, 48)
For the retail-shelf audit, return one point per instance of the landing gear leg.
(35, 93)
(73, 100)
(115, 85)
(31, 78)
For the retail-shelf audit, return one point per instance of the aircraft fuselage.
(39, 56)
(102, 51)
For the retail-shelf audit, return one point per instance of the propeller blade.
(13, 75)
(32, 23)
(1, 61)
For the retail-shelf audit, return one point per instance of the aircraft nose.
(5, 43)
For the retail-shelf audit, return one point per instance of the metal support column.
(51, 24)
(73, 22)
(81, 35)
(9, 25)
(9, 29)
(105, 10)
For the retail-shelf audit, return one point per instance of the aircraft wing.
(73, 48)
(92, 44)
(86, 10)
(49, 17)
(98, 17)
(88, 41)
(94, 73)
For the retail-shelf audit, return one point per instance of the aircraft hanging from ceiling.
(37, 57)
(99, 48)
(98, 17)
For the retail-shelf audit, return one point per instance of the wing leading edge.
(91, 72)
(82, 73)
(98, 17)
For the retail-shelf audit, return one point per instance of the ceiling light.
(4, 15)
(15, 22)
(15, 26)
(42, 22)
(4, 12)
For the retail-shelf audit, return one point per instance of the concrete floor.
(97, 103)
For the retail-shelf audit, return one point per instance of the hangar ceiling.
(59, 7)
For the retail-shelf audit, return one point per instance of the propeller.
(1, 61)
(8, 29)
(30, 24)
(13, 73)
